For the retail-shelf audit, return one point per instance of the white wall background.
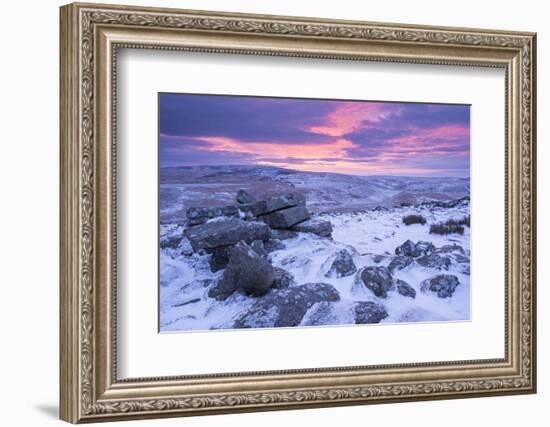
(29, 170)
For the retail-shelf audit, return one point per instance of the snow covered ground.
(369, 234)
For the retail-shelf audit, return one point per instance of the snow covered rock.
(244, 197)
(283, 201)
(400, 262)
(226, 231)
(446, 249)
(282, 278)
(409, 248)
(248, 271)
(221, 254)
(316, 226)
(253, 209)
(378, 279)
(273, 204)
(286, 307)
(443, 285)
(461, 259)
(368, 312)
(424, 248)
(405, 289)
(434, 261)
(286, 218)
(342, 265)
(196, 216)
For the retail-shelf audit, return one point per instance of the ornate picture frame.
(91, 34)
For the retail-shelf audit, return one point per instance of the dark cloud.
(186, 151)
(244, 118)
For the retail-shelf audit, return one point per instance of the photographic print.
(287, 212)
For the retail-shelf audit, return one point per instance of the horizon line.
(315, 172)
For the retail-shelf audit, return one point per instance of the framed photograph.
(266, 212)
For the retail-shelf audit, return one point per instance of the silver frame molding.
(90, 37)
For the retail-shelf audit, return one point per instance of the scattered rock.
(273, 245)
(286, 307)
(248, 271)
(463, 201)
(434, 261)
(443, 285)
(424, 248)
(286, 218)
(461, 259)
(378, 279)
(368, 312)
(316, 226)
(446, 249)
(400, 262)
(227, 231)
(342, 265)
(282, 278)
(405, 289)
(244, 197)
(409, 248)
(196, 216)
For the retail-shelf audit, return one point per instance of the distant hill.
(325, 192)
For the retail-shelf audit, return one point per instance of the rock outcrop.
(263, 224)
(197, 216)
(316, 226)
(226, 231)
(286, 218)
